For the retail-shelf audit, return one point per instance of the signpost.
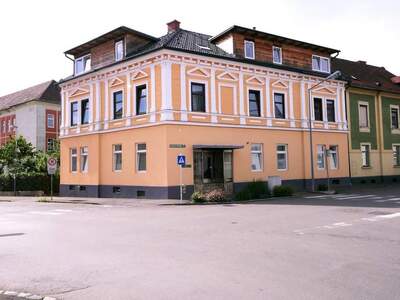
(51, 170)
(181, 162)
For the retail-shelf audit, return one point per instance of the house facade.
(373, 97)
(236, 105)
(33, 113)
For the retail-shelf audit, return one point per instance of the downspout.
(379, 127)
(73, 62)
(348, 135)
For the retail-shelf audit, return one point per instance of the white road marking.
(315, 197)
(63, 210)
(45, 213)
(106, 205)
(342, 224)
(356, 197)
(391, 216)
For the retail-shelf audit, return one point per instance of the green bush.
(253, 190)
(322, 187)
(282, 191)
(243, 195)
(215, 196)
(198, 197)
(30, 182)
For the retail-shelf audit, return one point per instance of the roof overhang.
(272, 37)
(217, 146)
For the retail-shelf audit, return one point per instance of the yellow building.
(236, 105)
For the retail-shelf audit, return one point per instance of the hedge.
(30, 182)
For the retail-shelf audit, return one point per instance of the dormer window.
(321, 64)
(277, 55)
(249, 49)
(82, 64)
(119, 50)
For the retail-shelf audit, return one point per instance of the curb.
(25, 295)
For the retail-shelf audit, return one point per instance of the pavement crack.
(72, 290)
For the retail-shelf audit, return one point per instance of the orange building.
(236, 105)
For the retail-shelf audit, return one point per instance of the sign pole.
(51, 187)
(180, 180)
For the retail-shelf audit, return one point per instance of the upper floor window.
(321, 64)
(318, 113)
(141, 100)
(277, 55)
(279, 105)
(9, 125)
(330, 110)
(74, 113)
(365, 155)
(82, 64)
(198, 93)
(50, 120)
(249, 49)
(85, 111)
(254, 103)
(117, 105)
(119, 50)
(363, 115)
(394, 111)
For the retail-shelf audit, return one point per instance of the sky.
(35, 34)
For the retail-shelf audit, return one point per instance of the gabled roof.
(272, 37)
(361, 75)
(48, 91)
(113, 34)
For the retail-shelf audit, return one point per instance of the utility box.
(274, 181)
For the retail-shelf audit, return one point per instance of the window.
(321, 156)
(365, 155)
(320, 64)
(117, 157)
(396, 155)
(117, 105)
(84, 159)
(141, 100)
(333, 153)
(363, 115)
(82, 64)
(395, 117)
(279, 105)
(318, 113)
(50, 144)
(330, 110)
(277, 55)
(4, 127)
(256, 157)
(74, 113)
(254, 103)
(50, 120)
(74, 159)
(198, 91)
(119, 50)
(85, 111)
(281, 156)
(249, 49)
(141, 157)
(9, 125)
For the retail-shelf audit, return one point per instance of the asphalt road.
(345, 246)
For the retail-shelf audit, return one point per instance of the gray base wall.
(375, 179)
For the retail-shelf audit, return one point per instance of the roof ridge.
(28, 88)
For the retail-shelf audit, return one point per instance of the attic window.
(203, 47)
(249, 49)
(82, 64)
(119, 50)
(321, 64)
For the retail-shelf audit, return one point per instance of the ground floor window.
(256, 157)
(365, 155)
(117, 157)
(333, 153)
(281, 155)
(50, 144)
(141, 157)
(74, 159)
(396, 155)
(321, 156)
(84, 159)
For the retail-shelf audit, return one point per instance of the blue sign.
(181, 160)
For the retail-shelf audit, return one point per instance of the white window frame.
(254, 49)
(50, 116)
(205, 82)
(122, 41)
(331, 159)
(321, 150)
(137, 157)
(280, 55)
(78, 119)
(112, 104)
(261, 157)
(84, 69)
(395, 165)
(9, 127)
(321, 58)
(252, 88)
(114, 152)
(286, 156)
(84, 153)
(369, 155)
(368, 128)
(395, 130)
(72, 156)
(135, 97)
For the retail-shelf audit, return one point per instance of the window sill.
(395, 131)
(366, 167)
(368, 130)
(396, 166)
(257, 171)
(282, 170)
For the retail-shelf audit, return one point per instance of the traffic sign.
(51, 165)
(181, 160)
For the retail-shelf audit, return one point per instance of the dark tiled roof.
(48, 91)
(360, 74)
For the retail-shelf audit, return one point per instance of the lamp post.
(15, 160)
(334, 75)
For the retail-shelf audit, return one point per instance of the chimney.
(173, 26)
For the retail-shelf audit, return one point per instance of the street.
(343, 246)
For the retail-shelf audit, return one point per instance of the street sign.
(177, 146)
(51, 165)
(181, 160)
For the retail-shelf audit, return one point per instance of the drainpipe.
(73, 62)
(348, 135)
(379, 138)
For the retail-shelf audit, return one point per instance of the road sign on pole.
(181, 161)
(51, 170)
